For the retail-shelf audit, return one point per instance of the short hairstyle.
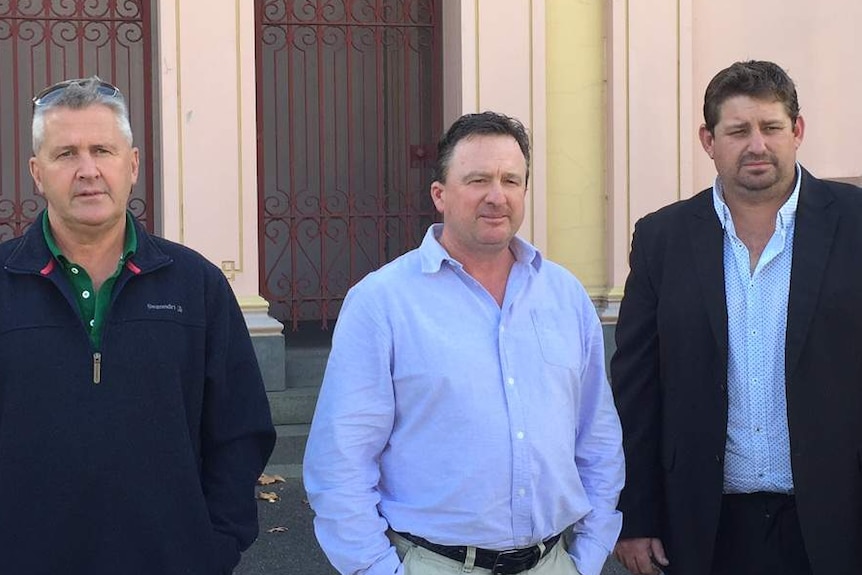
(481, 124)
(755, 78)
(77, 95)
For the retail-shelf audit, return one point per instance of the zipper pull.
(97, 367)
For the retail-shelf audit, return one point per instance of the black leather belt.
(499, 562)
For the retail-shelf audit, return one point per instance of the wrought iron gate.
(44, 41)
(349, 110)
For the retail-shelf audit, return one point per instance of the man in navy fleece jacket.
(133, 418)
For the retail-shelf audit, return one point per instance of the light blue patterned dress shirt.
(447, 416)
(757, 454)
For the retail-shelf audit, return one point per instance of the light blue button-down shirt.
(450, 417)
(757, 454)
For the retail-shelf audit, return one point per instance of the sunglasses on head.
(52, 92)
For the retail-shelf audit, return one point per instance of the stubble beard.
(761, 187)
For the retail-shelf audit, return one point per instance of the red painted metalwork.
(349, 108)
(44, 41)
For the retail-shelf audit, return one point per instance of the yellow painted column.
(576, 118)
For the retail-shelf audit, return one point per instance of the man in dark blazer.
(738, 370)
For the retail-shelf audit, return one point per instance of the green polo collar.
(130, 245)
(92, 305)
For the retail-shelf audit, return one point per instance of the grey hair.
(77, 96)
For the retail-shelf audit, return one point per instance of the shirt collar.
(433, 254)
(130, 244)
(786, 214)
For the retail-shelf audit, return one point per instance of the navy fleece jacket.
(152, 469)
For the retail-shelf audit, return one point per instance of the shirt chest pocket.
(559, 335)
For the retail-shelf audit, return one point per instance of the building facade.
(290, 141)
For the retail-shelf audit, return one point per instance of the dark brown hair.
(481, 124)
(757, 79)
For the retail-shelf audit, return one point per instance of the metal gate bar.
(349, 108)
(44, 41)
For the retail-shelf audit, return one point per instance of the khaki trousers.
(420, 561)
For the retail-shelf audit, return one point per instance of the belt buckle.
(516, 561)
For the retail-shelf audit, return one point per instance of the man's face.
(85, 168)
(482, 199)
(754, 147)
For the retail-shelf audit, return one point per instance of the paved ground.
(292, 549)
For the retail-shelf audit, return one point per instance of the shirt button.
(511, 381)
(85, 294)
(75, 271)
(522, 492)
(502, 328)
(520, 435)
(92, 322)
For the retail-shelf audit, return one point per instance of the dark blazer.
(669, 375)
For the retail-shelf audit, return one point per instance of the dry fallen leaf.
(277, 530)
(270, 496)
(265, 479)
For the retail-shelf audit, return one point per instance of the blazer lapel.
(815, 230)
(707, 241)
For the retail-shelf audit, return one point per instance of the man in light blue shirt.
(465, 421)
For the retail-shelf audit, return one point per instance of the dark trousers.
(758, 534)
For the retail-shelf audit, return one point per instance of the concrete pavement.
(293, 550)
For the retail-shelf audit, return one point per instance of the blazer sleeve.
(636, 388)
